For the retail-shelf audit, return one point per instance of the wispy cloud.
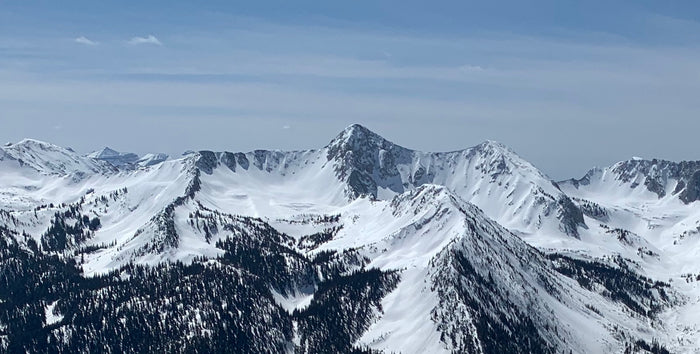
(471, 68)
(507, 87)
(150, 39)
(84, 40)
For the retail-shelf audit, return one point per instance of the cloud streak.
(150, 39)
(85, 41)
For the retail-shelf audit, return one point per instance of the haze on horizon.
(567, 85)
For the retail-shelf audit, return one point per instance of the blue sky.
(568, 85)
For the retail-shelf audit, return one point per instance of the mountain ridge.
(357, 246)
(661, 177)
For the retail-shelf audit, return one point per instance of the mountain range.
(360, 246)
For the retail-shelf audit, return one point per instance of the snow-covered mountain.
(51, 159)
(114, 157)
(490, 175)
(357, 246)
(127, 159)
(660, 177)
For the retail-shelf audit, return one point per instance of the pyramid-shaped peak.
(105, 152)
(358, 129)
(114, 157)
(356, 135)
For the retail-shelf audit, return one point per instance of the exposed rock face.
(368, 161)
(690, 188)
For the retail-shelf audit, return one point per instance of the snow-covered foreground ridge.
(358, 246)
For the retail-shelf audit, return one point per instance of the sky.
(567, 84)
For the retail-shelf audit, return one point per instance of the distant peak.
(104, 153)
(29, 141)
(50, 159)
(357, 129)
(496, 149)
(114, 157)
(33, 144)
(494, 145)
(356, 133)
(357, 136)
